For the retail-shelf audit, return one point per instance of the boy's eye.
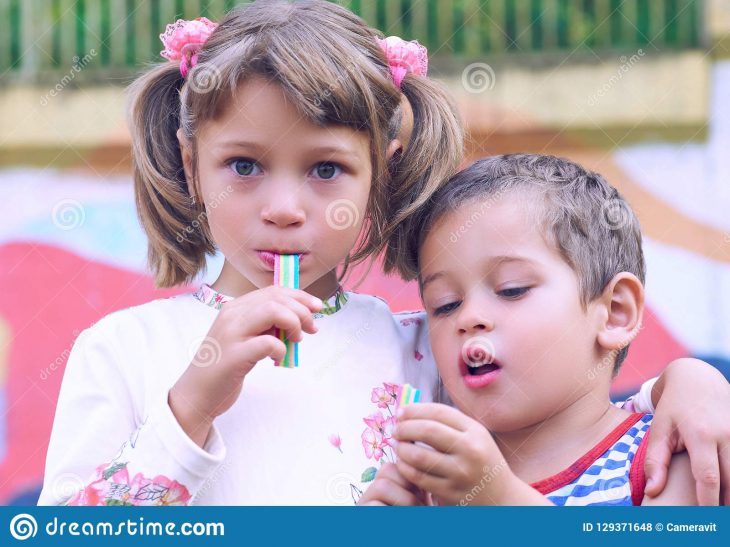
(244, 168)
(513, 293)
(446, 308)
(326, 170)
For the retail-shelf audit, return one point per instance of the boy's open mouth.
(478, 371)
(472, 370)
(477, 359)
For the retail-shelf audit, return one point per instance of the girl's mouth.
(268, 257)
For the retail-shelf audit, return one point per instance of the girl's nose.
(474, 317)
(283, 208)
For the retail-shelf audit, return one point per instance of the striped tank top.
(612, 473)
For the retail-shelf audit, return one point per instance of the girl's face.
(497, 294)
(273, 182)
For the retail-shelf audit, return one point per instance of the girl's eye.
(513, 293)
(326, 170)
(446, 308)
(244, 168)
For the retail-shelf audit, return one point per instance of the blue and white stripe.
(606, 481)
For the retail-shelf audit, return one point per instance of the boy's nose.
(473, 317)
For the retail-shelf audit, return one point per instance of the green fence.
(40, 36)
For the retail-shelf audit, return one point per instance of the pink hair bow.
(183, 40)
(404, 57)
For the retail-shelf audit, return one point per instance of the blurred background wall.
(636, 89)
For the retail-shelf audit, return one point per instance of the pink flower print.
(418, 355)
(381, 397)
(375, 422)
(382, 425)
(158, 491)
(115, 488)
(335, 441)
(372, 442)
(410, 321)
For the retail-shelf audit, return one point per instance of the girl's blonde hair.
(329, 64)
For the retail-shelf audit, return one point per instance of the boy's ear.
(394, 146)
(623, 302)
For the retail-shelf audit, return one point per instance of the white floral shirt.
(312, 435)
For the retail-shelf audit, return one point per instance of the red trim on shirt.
(568, 475)
(637, 477)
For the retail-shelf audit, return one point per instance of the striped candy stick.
(408, 395)
(286, 274)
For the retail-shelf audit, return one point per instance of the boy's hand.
(463, 466)
(390, 488)
(692, 414)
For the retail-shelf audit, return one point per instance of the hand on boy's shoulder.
(681, 487)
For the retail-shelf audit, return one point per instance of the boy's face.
(496, 292)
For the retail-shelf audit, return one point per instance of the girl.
(285, 129)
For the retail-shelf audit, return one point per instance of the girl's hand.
(463, 465)
(692, 414)
(241, 335)
(390, 488)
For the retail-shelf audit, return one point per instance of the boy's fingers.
(423, 480)
(424, 459)
(444, 414)
(435, 434)
(385, 491)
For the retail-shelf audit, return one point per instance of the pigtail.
(175, 223)
(433, 155)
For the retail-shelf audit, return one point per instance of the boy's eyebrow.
(492, 262)
(431, 278)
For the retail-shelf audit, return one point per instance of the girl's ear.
(187, 158)
(623, 302)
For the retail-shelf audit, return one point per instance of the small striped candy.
(286, 274)
(408, 395)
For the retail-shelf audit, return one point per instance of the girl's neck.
(551, 445)
(231, 283)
